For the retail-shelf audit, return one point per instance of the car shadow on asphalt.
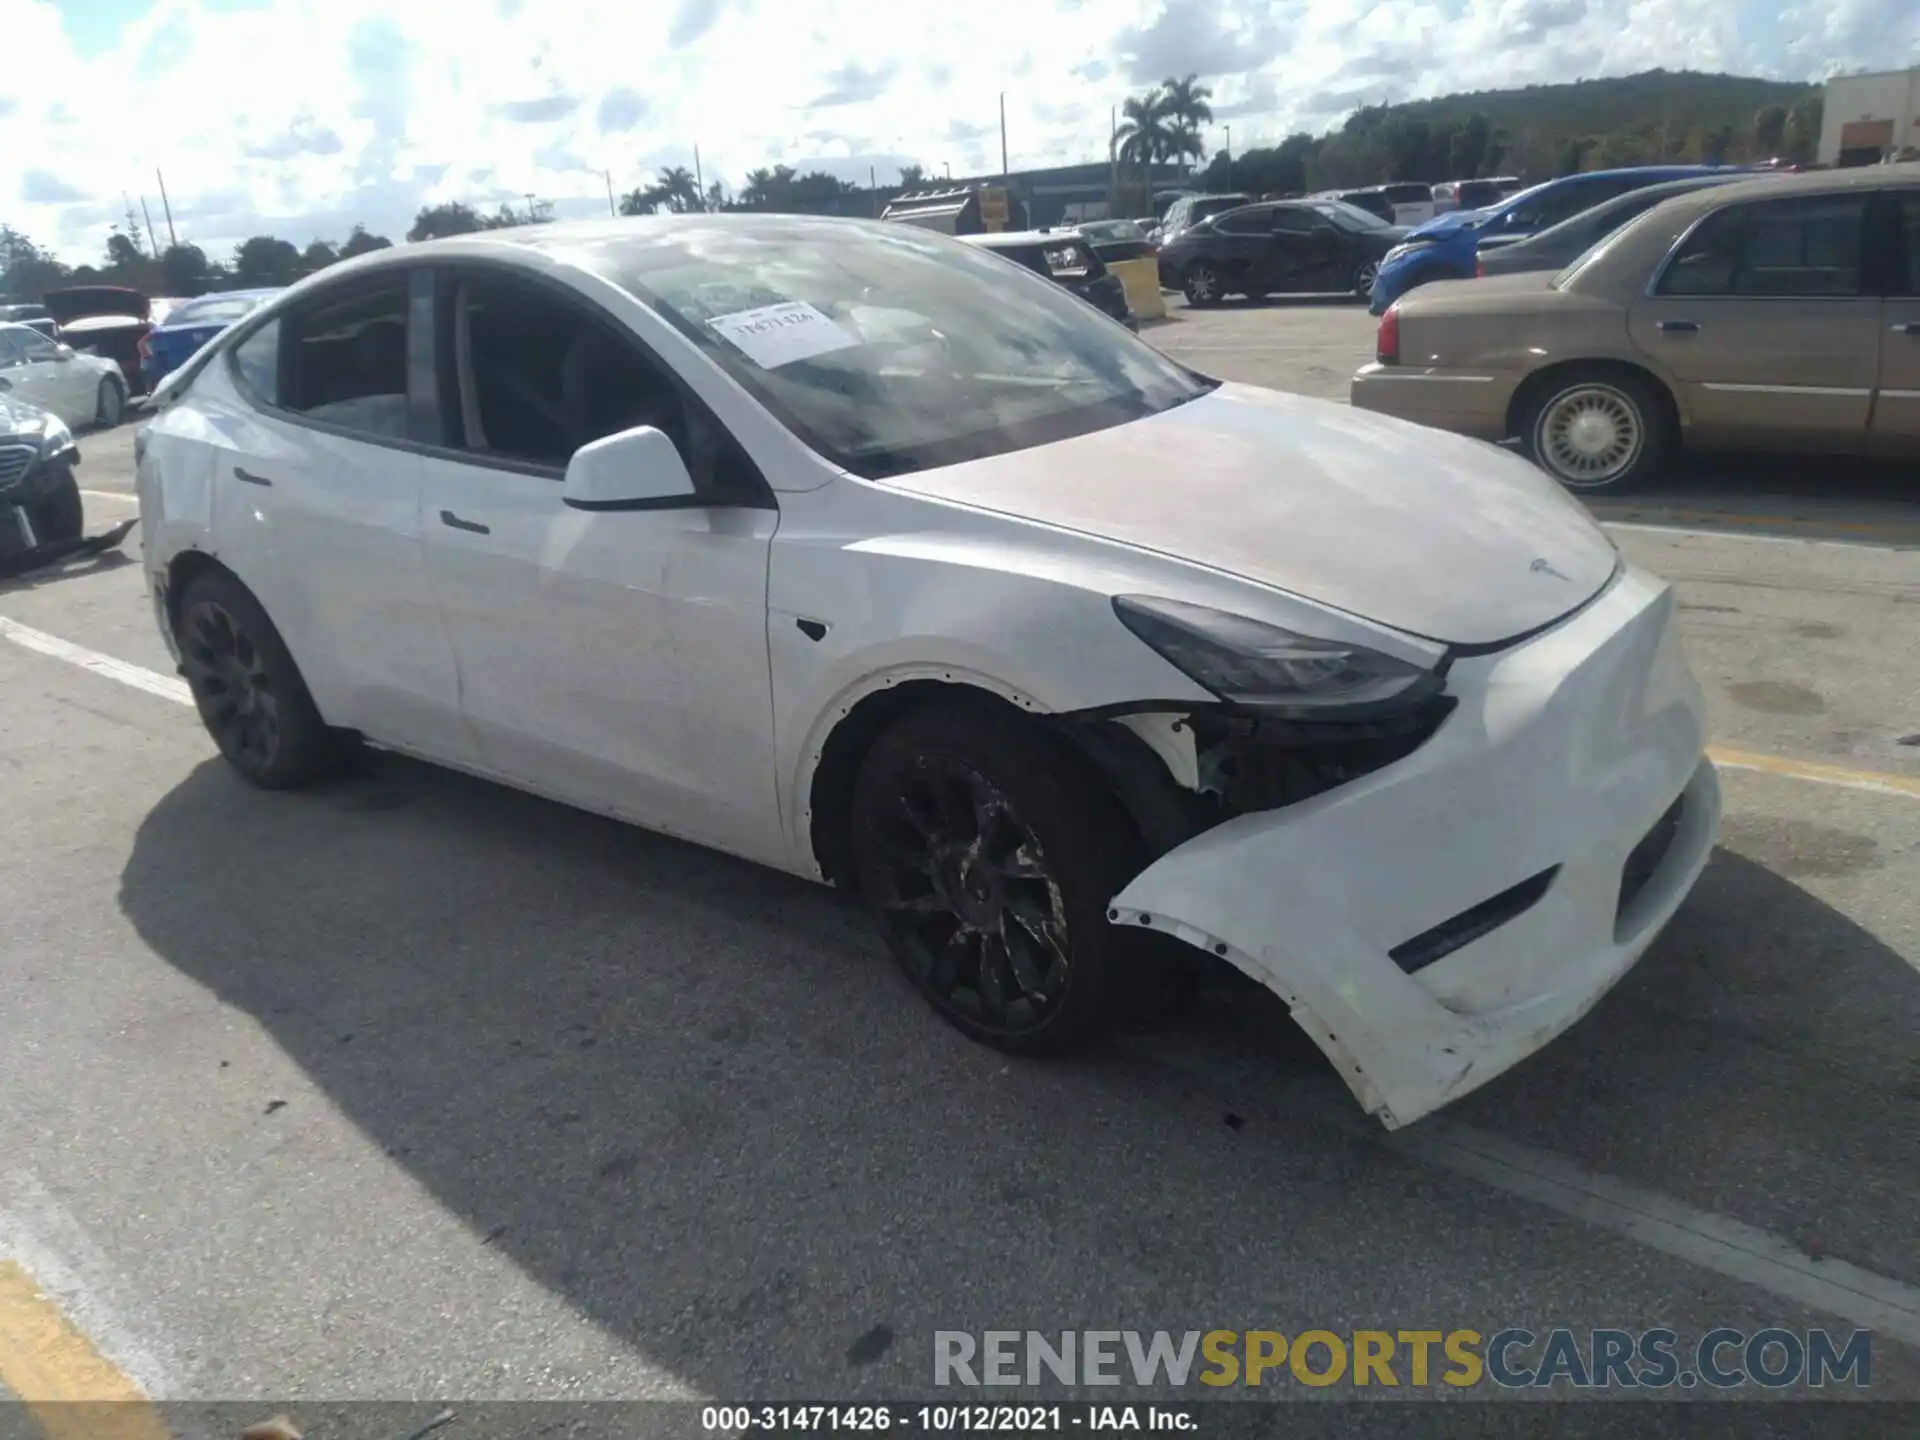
(694, 1099)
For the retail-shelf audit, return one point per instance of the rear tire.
(111, 403)
(1596, 430)
(60, 515)
(249, 692)
(987, 857)
(1364, 274)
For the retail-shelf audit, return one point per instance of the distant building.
(1866, 118)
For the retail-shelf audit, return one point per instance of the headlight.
(1278, 672)
(1065, 260)
(55, 439)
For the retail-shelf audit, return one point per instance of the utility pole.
(1003, 135)
(699, 180)
(609, 178)
(873, 192)
(153, 244)
(172, 239)
(1113, 161)
(1229, 146)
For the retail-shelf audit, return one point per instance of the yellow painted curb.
(74, 1392)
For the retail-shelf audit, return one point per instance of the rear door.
(1310, 254)
(1896, 404)
(1764, 318)
(1242, 245)
(315, 479)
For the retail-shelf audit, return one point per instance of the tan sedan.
(1781, 313)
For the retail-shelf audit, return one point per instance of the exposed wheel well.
(1538, 383)
(830, 797)
(185, 568)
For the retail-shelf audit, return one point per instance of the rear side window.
(347, 362)
(256, 363)
(1408, 194)
(1298, 222)
(1245, 222)
(1808, 246)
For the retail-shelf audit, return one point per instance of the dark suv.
(1066, 258)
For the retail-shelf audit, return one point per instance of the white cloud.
(300, 117)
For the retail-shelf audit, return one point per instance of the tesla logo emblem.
(1541, 566)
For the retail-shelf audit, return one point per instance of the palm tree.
(676, 189)
(1144, 136)
(1184, 104)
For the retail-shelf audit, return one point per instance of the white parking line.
(167, 687)
(1713, 1242)
(121, 495)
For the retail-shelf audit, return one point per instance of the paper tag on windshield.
(776, 335)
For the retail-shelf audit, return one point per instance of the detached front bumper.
(1434, 923)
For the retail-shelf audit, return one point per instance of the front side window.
(9, 351)
(347, 361)
(1349, 217)
(537, 377)
(889, 349)
(35, 346)
(256, 363)
(1805, 246)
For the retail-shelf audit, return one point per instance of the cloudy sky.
(299, 117)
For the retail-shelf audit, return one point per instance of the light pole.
(1003, 135)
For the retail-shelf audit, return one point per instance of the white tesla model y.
(859, 551)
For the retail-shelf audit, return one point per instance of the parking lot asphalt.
(414, 1087)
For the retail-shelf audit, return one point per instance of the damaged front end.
(1438, 888)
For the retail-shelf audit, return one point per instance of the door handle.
(447, 517)
(1681, 327)
(1907, 327)
(250, 477)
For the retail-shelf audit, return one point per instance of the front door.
(1241, 248)
(1764, 318)
(46, 376)
(614, 659)
(1896, 404)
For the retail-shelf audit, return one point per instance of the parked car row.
(143, 336)
(1775, 313)
(856, 550)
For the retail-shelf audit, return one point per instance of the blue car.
(188, 326)
(1447, 247)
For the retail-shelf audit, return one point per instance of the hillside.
(1628, 102)
(1540, 131)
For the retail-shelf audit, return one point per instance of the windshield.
(1349, 217)
(214, 310)
(889, 349)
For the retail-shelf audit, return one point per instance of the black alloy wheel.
(250, 694)
(988, 861)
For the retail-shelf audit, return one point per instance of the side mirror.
(637, 469)
(62, 352)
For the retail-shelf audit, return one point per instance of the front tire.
(249, 692)
(1201, 284)
(1364, 274)
(1596, 431)
(59, 515)
(111, 403)
(987, 857)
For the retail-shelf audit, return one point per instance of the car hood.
(83, 302)
(21, 421)
(1431, 534)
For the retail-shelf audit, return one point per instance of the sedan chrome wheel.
(968, 900)
(1364, 277)
(1203, 284)
(1590, 435)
